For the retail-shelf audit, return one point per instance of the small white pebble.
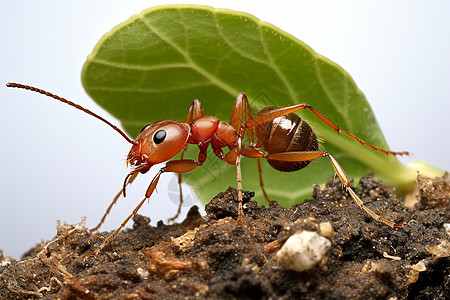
(143, 273)
(302, 251)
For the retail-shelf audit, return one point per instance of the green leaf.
(154, 65)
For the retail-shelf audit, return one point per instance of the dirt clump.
(216, 258)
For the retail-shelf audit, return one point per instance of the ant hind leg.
(310, 155)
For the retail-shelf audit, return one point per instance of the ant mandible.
(288, 143)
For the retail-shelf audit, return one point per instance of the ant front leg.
(128, 180)
(177, 166)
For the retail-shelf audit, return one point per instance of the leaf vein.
(235, 48)
(331, 99)
(148, 90)
(139, 67)
(215, 80)
(272, 64)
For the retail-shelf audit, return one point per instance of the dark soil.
(214, 258)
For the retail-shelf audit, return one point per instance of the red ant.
(288, 143)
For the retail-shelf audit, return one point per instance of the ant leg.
(195, 111)
(261, 182)
(237, 112)
(178, 166)
(180, 204)
(233, 157)
(180, 189)
(278, 112)
(310, 155)
(239, 183)
(241, 110)
(346, 182)
(130, 181)
(113, 235)
(253, 152)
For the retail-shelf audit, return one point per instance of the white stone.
(303, 250)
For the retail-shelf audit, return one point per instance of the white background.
(58, 163)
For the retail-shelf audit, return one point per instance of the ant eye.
(159, 136)
(145, 127)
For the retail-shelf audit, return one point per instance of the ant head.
(157, 143)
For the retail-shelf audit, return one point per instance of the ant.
(286, 141)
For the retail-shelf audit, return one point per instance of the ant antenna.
(56, 97)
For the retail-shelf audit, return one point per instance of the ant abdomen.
(283, 134)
